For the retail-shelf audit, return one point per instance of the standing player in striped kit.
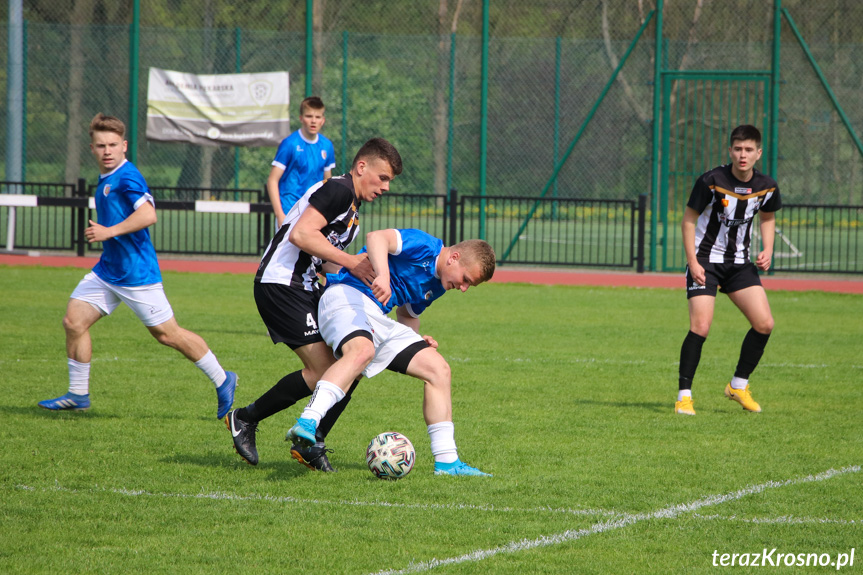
(717, 231)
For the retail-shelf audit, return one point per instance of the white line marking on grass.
(172, 357)
(782, 519)
(799, 365)
(550, 360)
(616, 523)
(288, 499)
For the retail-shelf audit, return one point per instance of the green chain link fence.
(413, 72)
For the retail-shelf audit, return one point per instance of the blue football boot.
(68, 402)
(303, 433)
(458, 467)
(225, 393)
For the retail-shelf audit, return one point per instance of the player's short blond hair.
(477, 252)
(103, 123)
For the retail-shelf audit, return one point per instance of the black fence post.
(80, 240)
(453, 213)
(642, 216)
(266, 221)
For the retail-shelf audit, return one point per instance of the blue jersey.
(130, 259)
(304, 164)
(413, 273)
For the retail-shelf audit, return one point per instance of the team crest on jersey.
(428, 295)
(742, 190)
(106, 190)
(324, 154)
(724, 202)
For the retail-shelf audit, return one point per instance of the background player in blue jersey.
(413, 269)
(302, 160)
(127, 272)
(717, 231)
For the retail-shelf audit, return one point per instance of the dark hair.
(378, 148)
(312, 102)
(103, 123)
(745, 132)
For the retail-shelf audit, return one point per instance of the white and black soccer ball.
(390, 455)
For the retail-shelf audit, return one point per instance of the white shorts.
(149, 302)
(344, 310)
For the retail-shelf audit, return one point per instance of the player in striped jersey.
(316, 230)
(717, 231)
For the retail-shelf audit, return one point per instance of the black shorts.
(290, 314)
(728, 278)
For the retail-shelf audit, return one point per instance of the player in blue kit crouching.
(413, 269)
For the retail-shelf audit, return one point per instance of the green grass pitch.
(565, 394)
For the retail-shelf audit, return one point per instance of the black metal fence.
(819, 239)
(54, 224)
(198, 221)
(522, 230)
(550, 231)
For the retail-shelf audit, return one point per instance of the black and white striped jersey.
(727, 209)
(285, 263)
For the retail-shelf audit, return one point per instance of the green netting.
(548, 63)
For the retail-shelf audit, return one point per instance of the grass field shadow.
(35, 411)
(273, 470)
(652, 406)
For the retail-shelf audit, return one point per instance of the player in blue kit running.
(413, 269)
(302, 160)
(127, 272)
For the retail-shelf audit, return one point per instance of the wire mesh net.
(412, 72)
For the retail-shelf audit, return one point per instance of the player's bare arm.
(405, 318)
(306, 235)
(141, 218)
(331, 268)
(379, 245)
(768, 230)
(690, 218)
(273, 193)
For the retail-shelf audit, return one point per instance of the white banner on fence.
(214, 110)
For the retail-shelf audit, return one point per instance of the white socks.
(211, 368)
(79, 373)
(684, 393)
(325, 396)
(442, 437)
(79, 377)
(739, 383)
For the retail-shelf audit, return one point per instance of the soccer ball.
(390, 455)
